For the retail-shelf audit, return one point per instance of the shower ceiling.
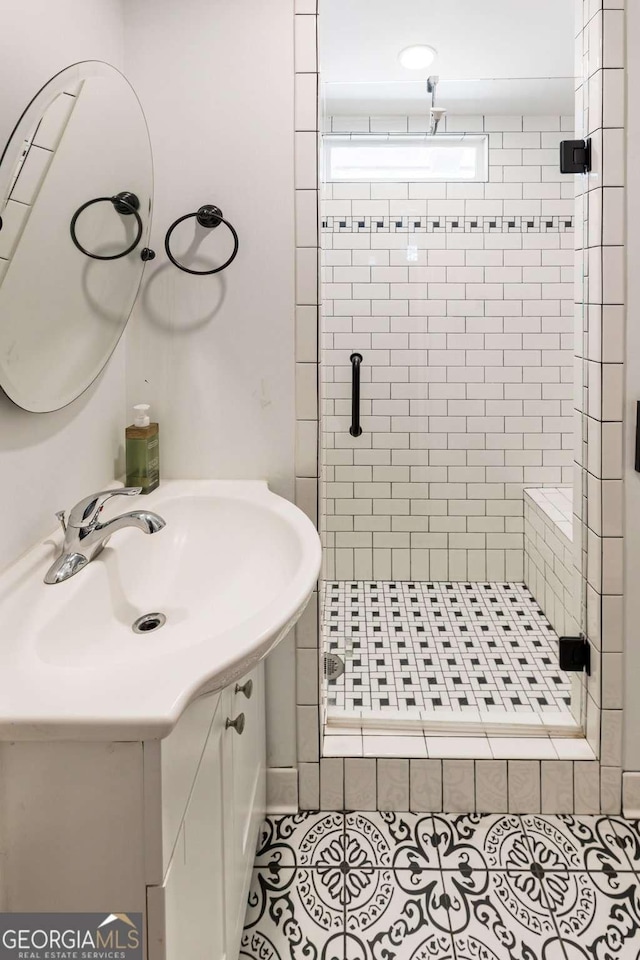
(360, 42)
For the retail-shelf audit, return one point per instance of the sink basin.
(231, 572)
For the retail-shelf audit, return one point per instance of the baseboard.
(282, 790)
(631, 795)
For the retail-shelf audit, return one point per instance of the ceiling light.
(418, 57)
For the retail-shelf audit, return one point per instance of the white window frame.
(377, 175)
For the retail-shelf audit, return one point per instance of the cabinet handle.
(246, 688)
(237, 724)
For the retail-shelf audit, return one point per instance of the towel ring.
(125, 203)
(210, 217)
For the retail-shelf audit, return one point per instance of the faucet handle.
(85, 513)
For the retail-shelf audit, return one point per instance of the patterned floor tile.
(292, 913)
(577, 843)
(626, 834)
(480, 842)
(399, 840)
(405, 916)
(501, 916)
(384, 886)
(429, 645)
(597, 914)
(304, 839)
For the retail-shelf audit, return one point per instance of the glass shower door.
(451, 565)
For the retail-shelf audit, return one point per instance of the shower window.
(404, 158)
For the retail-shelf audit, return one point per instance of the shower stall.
(451, 248)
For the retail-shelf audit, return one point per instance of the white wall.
(39, 38)
(215, 355)
(48, 461)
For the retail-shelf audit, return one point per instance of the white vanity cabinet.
(211, 807)
(247, 799)
(167, 828)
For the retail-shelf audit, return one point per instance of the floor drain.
(333, 666)
(149, 622)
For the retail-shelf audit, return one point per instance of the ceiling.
(501, 40)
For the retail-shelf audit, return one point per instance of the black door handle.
(355, 429)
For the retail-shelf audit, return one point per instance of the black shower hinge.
(575, 654)
(575, 156)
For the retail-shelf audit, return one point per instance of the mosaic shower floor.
(411, 646)
(385, 886)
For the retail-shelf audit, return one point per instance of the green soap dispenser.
(143, 451)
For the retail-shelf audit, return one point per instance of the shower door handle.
(355, 429)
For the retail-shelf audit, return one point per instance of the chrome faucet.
(85, 536)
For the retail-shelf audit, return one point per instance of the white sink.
(231, 571)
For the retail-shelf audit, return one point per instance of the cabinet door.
(245, 769)
(181, 754)
(194, 902)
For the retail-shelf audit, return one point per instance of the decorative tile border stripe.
(433, 224)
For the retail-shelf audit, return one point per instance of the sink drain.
(149, 622)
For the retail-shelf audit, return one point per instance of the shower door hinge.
(575, 156)
(575, 654)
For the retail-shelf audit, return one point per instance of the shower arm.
(432, 83)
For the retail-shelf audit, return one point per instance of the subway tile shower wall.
(459, 296)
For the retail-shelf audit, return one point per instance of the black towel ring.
(125, 203)
(210, 217)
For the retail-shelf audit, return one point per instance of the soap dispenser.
(143, 451)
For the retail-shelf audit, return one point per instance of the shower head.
(436, 114)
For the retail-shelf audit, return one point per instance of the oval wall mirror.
(70, 269)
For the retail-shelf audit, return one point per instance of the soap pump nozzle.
(141, 413)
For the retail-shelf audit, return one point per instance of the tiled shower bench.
(549, 568)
